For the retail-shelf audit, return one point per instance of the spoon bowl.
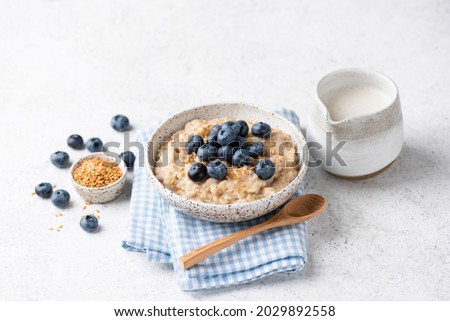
(304, 206)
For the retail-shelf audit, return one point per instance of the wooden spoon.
(298, 210)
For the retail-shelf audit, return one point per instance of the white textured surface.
(68, 66)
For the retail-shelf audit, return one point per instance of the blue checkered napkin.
(165, 235)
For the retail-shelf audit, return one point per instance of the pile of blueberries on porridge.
(225, 161)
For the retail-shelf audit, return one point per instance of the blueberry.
(240, 127)
(193, 144)
(197, 172)
(226, 136)
(225, 153)
(239, 142)
(216, 169)
(44, 190)
(94, 144)
(60, 198)
(75, 141)
(212, 137)
(89, 223)
(207, 152)
(227, 124)
(60, 159)
(212, 140)
(241, 157)
(256, 149)
(120, 123)
(265, 169)
(215, 129)
(261, 130)
(128, 157)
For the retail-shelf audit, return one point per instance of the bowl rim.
(100, 155)
(178, 198)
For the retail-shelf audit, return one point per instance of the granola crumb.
(50, 228)
(34, 193)
(97, 211)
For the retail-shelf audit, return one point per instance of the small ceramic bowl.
(225, 212)
(100, 194)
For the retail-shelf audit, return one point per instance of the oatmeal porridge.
(224, 161)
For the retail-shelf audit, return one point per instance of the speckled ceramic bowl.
(220, 212)
(101, 194)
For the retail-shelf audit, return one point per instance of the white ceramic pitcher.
(367, 141)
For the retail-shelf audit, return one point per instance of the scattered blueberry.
(60, 159)
(265, 169)
(44, 190)
(240, 127)
(197, 172)
(193, 144)
(256, 149)
(225, 153)
(261, 129)
(120, 123)
(241, 157)
(226, 135)
(89, 223)
(216, 169)
(60, 198)
(128, 157)
(75, 141)
(207, 152)
(94, 144)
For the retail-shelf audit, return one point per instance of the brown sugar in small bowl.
(104, 187)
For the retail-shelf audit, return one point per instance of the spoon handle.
(207, 250)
